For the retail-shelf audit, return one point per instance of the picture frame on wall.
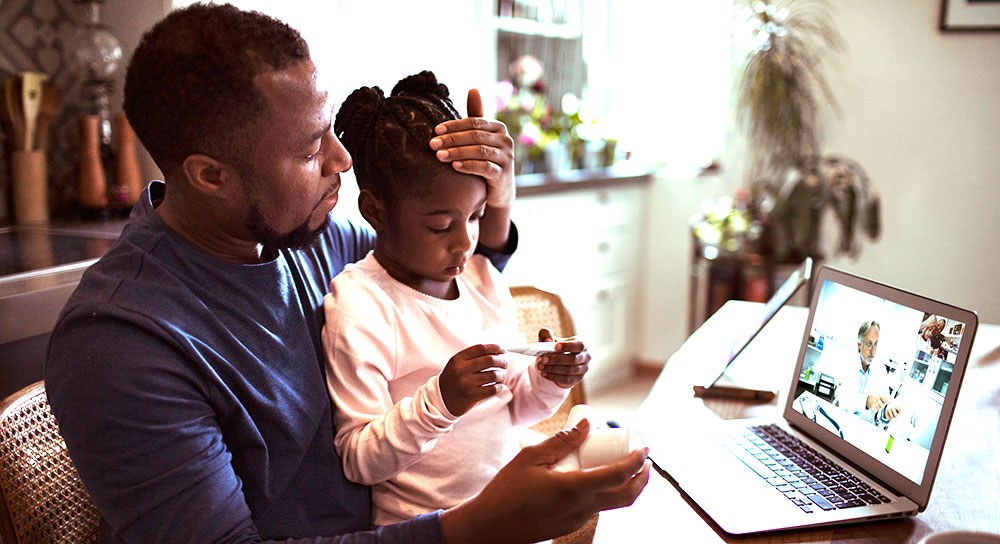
(970, 16)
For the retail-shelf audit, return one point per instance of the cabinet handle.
(603, 247)
(602, 294)
(603, 197)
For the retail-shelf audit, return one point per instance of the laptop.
(713, 382)
(833, 456)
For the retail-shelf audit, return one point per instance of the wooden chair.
(536, 309)
(42, 499)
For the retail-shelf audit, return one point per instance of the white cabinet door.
(600, 310)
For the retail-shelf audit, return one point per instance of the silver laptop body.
(884, 429)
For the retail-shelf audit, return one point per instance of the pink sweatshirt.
(386, 344)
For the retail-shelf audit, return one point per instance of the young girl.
(420, 415)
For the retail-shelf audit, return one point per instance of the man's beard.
(300, 237)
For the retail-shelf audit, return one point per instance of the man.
(186, 372)
(865, 391)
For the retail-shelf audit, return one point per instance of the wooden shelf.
(528, 27)
(621, 173)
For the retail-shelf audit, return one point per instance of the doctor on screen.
(865, 391)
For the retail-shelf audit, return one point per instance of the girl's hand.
(472, 375)
(567, 367)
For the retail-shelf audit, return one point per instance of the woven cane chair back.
(536, 309)
(42, 499)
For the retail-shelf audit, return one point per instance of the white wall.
(921, 112)
(668, 73)
(673, 197)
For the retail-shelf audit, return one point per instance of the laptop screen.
(877, 372)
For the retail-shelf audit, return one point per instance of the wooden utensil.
(129, 182)
(51, 97)
(31, 103)
(12, 94)
(92, 184)
(29, 186)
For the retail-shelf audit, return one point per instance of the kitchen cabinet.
(580, 237)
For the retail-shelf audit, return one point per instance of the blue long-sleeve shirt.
(191, 395)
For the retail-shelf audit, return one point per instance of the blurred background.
(644, 147)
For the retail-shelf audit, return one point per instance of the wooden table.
(966, 493)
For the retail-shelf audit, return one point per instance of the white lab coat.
(854, 386)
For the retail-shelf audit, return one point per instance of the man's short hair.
(865, 327)
(190, 86)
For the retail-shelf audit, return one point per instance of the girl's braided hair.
(388, 138)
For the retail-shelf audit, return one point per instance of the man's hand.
(528, 501)
(567, 367)
(892, 411)
(483, 148)
(471, 375)
(876, 402)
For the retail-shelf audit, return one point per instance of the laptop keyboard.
(805, 476)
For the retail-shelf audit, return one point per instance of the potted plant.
(780, 89)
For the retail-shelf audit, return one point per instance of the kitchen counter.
(39, 269)
(27, 250)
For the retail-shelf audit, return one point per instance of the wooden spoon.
(31, 102)
(51, 97)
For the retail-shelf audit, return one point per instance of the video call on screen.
(876, 374)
